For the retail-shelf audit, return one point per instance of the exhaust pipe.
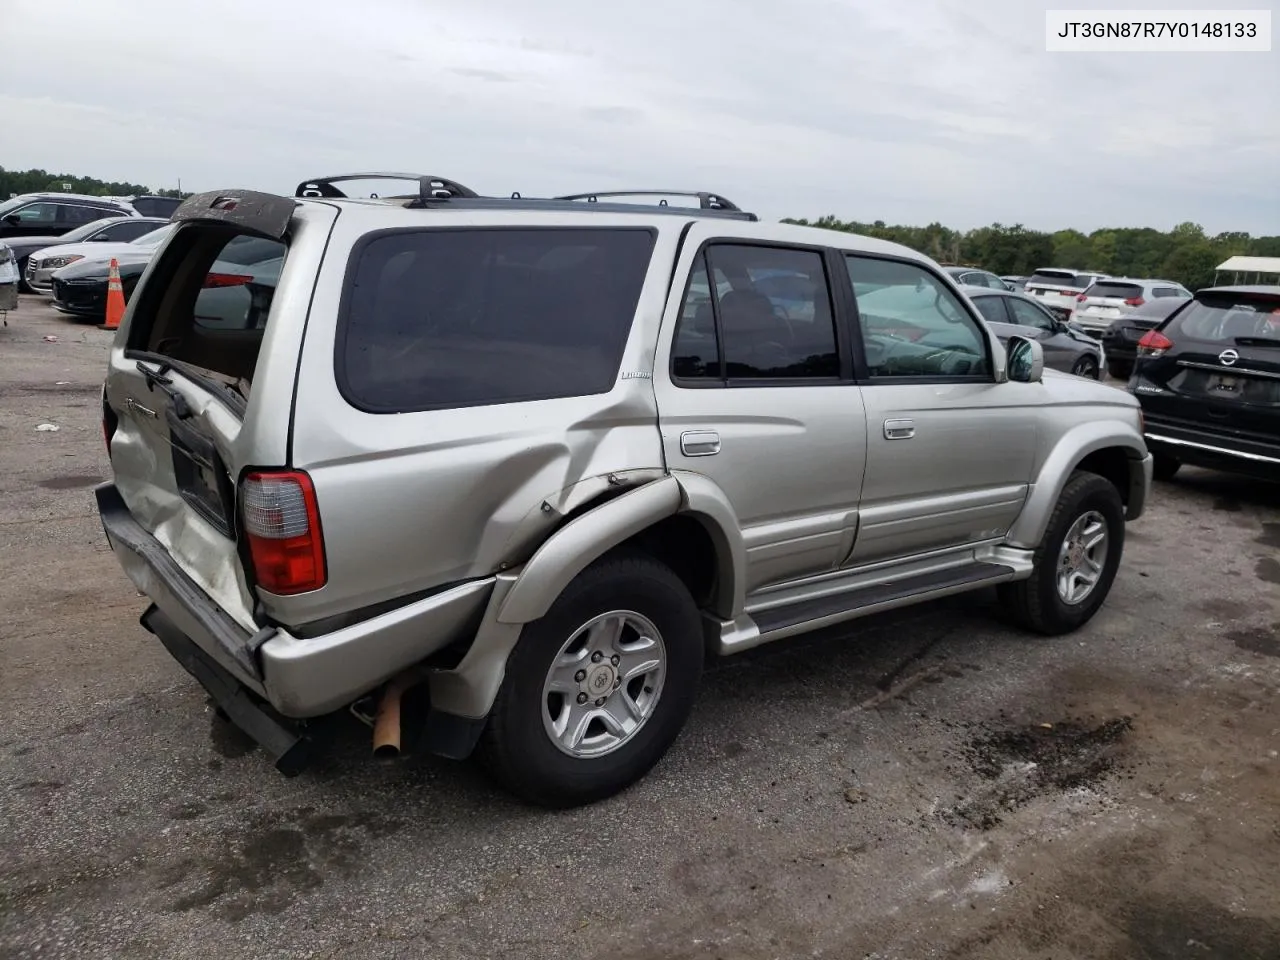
(386, 721)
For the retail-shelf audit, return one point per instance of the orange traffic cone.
(115, 298)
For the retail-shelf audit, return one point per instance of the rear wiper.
(156, 378)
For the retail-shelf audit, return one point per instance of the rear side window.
(126, 231)
(453, 318)
(1111, 288)
(208, 300)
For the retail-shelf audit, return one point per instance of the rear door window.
(992, 308)
(207, 303)
(466, 317)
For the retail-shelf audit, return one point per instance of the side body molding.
(1071, 448)
(583, 540)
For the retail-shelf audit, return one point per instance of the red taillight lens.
(1135, 302)
(109, 421)
(1081, 297)
(282, 527)
(227, 280)
(1153, 344)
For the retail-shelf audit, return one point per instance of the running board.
(776, 623)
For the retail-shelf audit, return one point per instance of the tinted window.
(1165, 292)
(77, 214)
(1057, 278)
(975, 280)
(992, 308)
(1029, 315)
(446, 318)
(37, 213)
(127, 230)
(86, 231)
(1112, 288)
(912, 325)
(1224, 319)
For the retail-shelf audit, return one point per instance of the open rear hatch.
(179, 389)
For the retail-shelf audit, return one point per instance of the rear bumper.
(300, 677)
(1215, 451)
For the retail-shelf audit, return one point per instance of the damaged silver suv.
(502, 472)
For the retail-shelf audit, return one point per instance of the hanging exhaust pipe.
(386, 721)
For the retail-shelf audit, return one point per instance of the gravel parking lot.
(931, 784)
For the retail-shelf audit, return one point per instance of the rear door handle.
(699, 443)
(899, 429)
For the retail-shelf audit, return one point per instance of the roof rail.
(429, 187)
(706, 200)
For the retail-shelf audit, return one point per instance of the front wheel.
(1086, 366)
(1076, 562)
(597, 690)
(1163, 467)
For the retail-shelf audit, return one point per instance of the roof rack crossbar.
(706, 200)
(430, 187)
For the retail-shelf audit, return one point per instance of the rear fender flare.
(581, 541)
(1028, 530)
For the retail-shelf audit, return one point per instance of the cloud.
(912, 111)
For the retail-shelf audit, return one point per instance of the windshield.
(1229, 319)
(79, 233)
(154, 238)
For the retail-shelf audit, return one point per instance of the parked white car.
(1107, 300)
(1058, 287)
(8, 279)
(42, 264)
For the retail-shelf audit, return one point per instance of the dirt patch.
(1263, 640)
(1270, 536)
(1198, 928)
(1268, 570)
(1025, 762)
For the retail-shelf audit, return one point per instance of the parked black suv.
(1121, 339)
(1208, 379)
(53, 214)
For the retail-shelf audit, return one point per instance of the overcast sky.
(908, 111)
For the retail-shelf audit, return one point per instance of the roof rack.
(706, 200)
(429, 187)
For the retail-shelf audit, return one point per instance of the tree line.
(1185, 254)
(42, 181)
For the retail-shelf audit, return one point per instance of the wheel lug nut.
(582, 698)
(600, 702)
(597, 657)
(615, 659)
(617, 682)
(580, 675)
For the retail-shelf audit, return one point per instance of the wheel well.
(1111, 463)
(685, 545)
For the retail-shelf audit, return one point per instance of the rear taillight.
(1153, 344)
(226, 280)
(282, 527)
(109, 421)
(1134, 302)
(1081, 297)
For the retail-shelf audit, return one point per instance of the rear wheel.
(597, 690)
(1120, 369)
(1086, 366)
(1163, 466)
(1076, 562)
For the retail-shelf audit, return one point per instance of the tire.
(1036, 603)
(519, 745)
(1163, 466)
(1086, 366)
(1120, 369)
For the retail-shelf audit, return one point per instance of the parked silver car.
(1107, 300)
(1016, 314)
(8, 280)
(537, 458)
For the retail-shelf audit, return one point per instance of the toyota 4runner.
(528, 461)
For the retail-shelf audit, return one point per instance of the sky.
(907, 111)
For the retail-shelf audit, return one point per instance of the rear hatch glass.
(1114, 290)
(180, 392)
(1056, 279)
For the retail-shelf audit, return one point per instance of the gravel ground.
(931, 784)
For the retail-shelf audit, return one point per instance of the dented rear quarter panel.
(410, 501)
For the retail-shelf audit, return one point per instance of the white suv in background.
(1058, 287)
(1108, 299)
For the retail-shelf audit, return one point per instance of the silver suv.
(502, 471)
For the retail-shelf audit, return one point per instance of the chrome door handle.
(699, 443)
(899, 429)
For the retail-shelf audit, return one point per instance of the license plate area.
(200, 474)
(1220, 385)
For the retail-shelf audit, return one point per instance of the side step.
(778, 622)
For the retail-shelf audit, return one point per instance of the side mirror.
(100, 238)
(1026, 360)
(13, 220)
